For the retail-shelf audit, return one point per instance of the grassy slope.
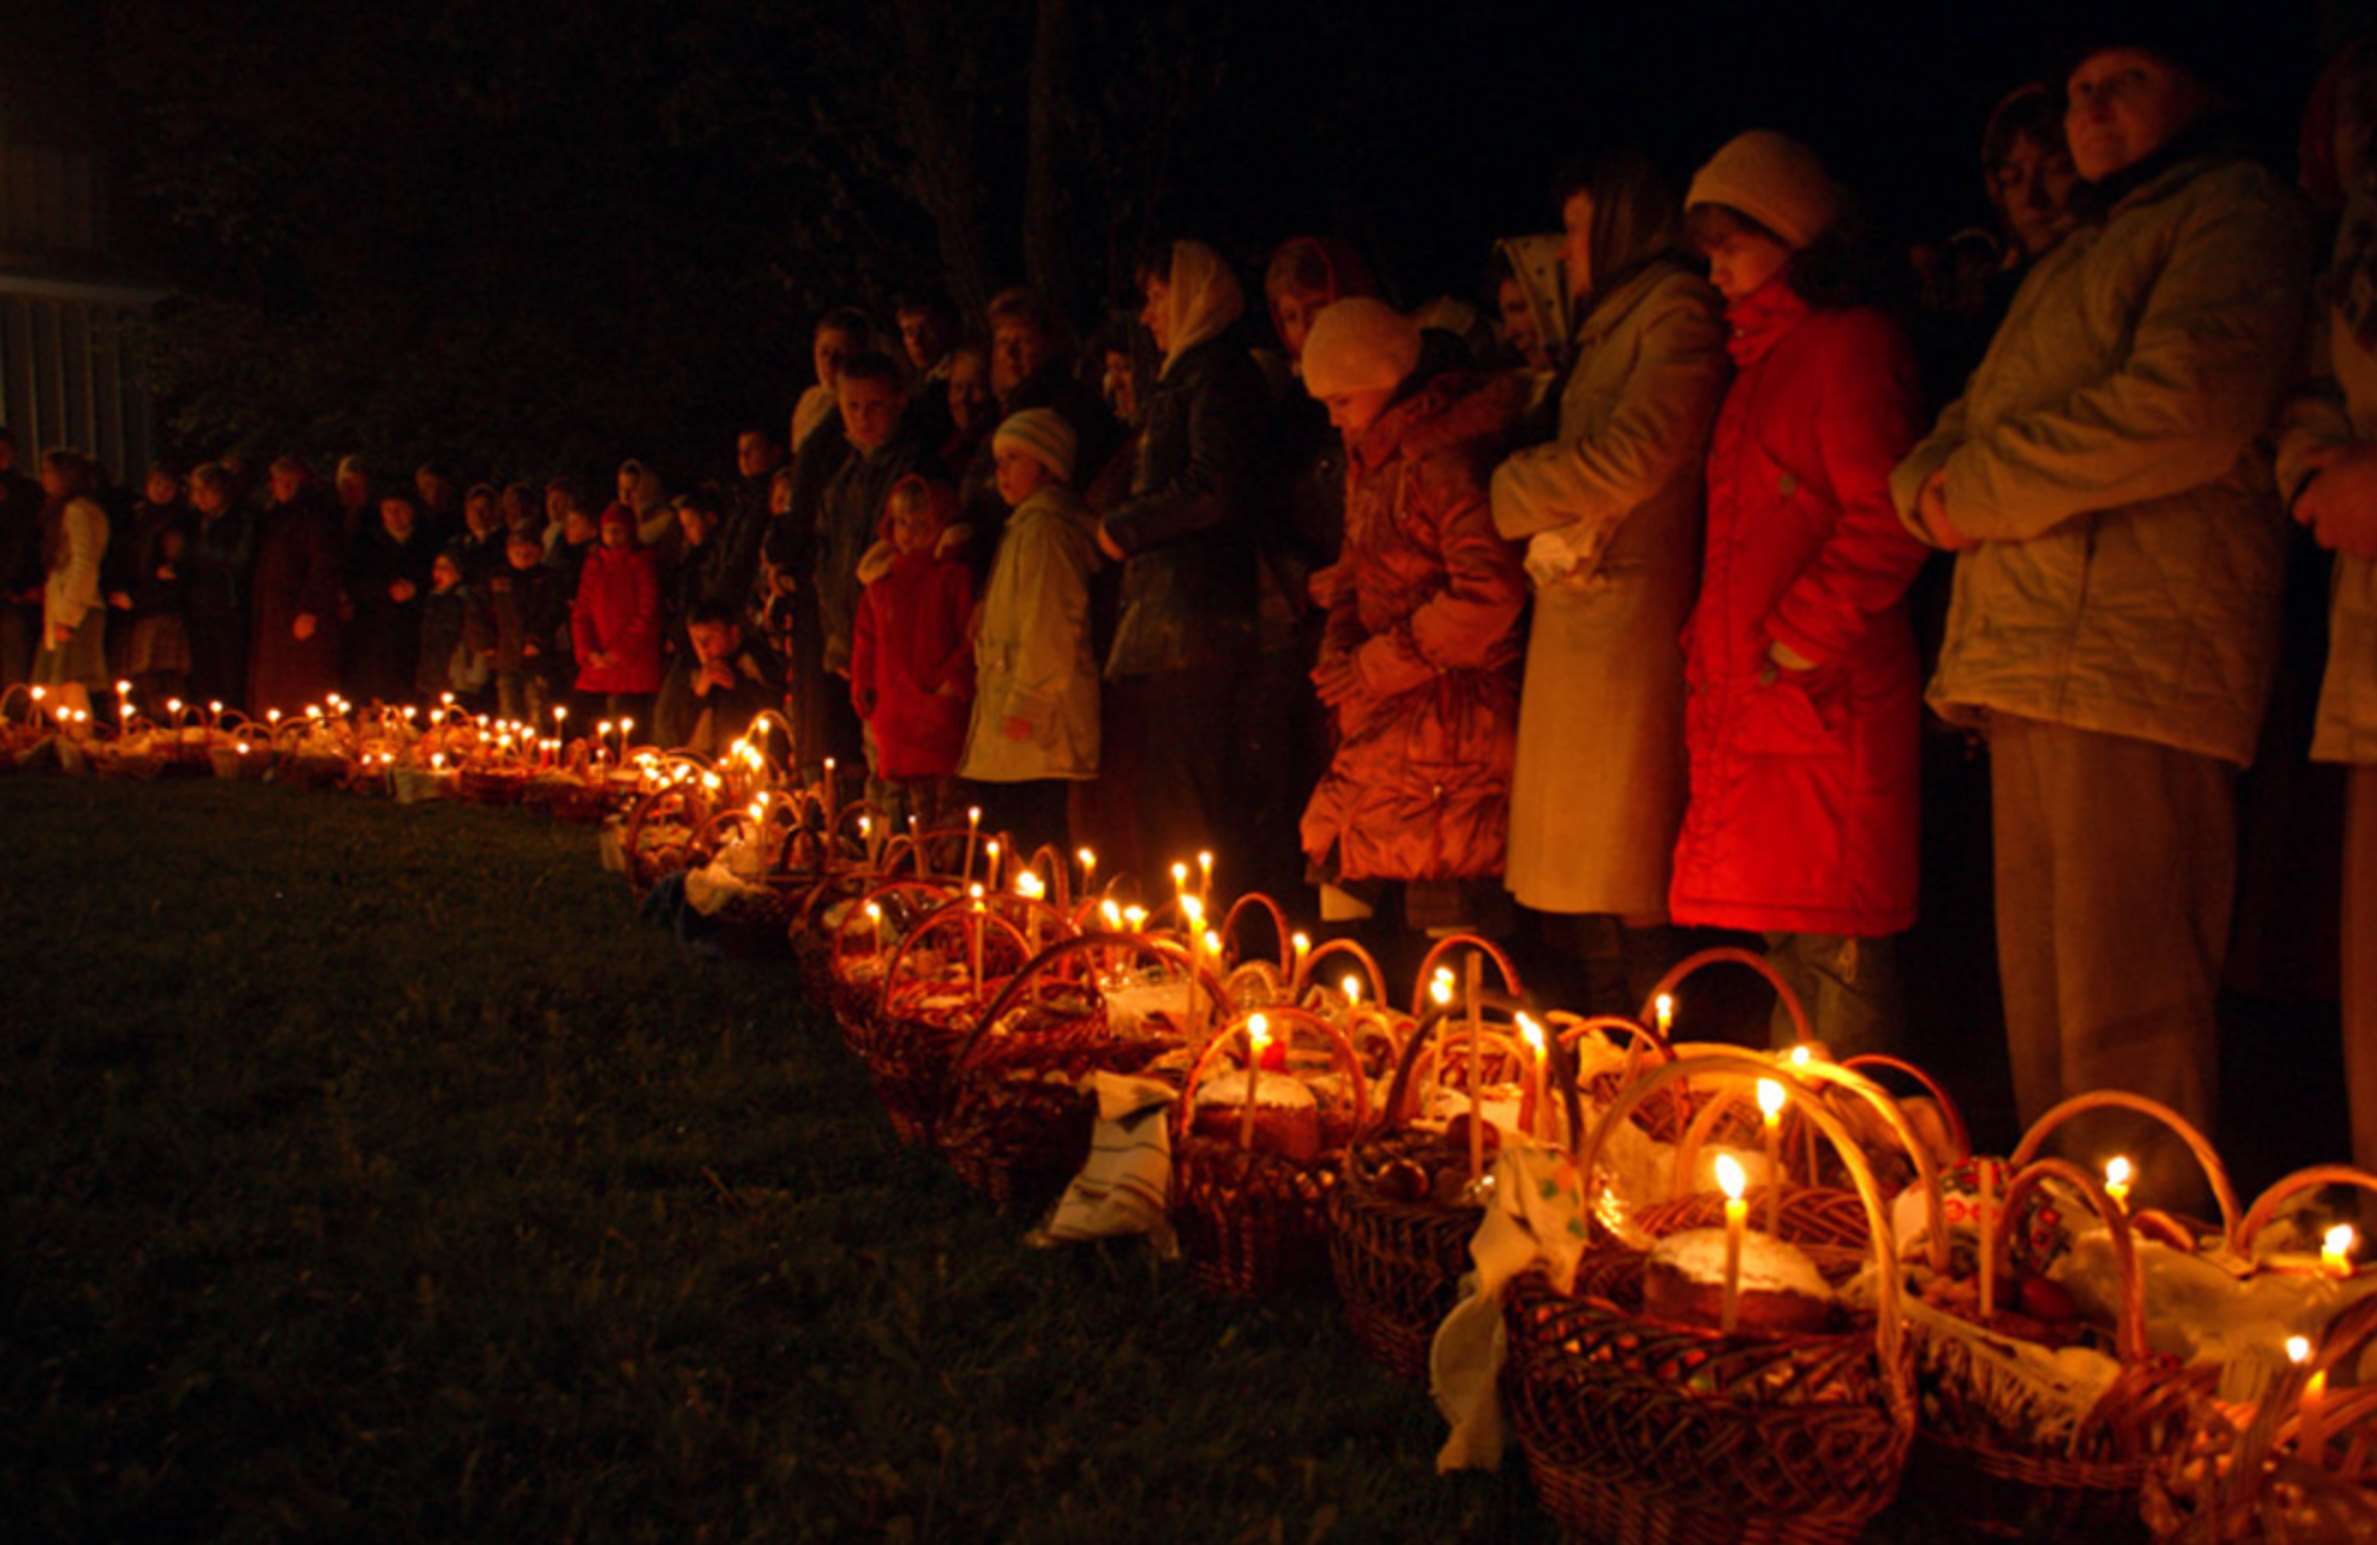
(371, 1175)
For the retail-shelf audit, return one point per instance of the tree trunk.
(934, 128)
(1047, 251)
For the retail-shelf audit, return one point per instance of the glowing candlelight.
(1663, 1014)
(2119, 1172)
(981, 923)
(1731, 1181)
(1440, 987)
(1112, 913)
(973, 830)
(1028, 885)
(1258, 1036)
(1180, 879)
(990, 862)
(1477, 1088)
(1213, 947)
(1192, 914)
(2314, 1433)
(1985, 1219)
(1536, 1121)
(2335, 1251)
(1301, 942)
(1205, 878)
(875, 916)
(1136, 916)
(1089, 868)
(829, 793)
(1352, 988)
(1770, 1116)
(1800, 1056)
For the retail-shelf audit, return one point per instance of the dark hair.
(873, 365)
(847, 320)
(212, 475)
(1837, 270)
(1153, 260)
(704, 498)
(1020, 304)
(711, 614)
(930, 303)
(1635, 214)
(72, 464)
(753, 429)
(2029, 111)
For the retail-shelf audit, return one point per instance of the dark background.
(541, 235)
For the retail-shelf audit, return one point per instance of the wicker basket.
(662, 834)
(1019, 1118)
(861, 950)
(1398, 1261)
(1642, 1431)
(1252, 1222)
(931, 1001)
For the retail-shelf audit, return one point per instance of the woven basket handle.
(968, 919)
(1459, 941)
(2265, 1206)
(646, 807)
(1342, 946)
(876, 896)
(1691, 965)
(1402, 1092)
(1889, 1326)
(1796, 1076)
(1569, 1029)
(2121, 1099)
(1958, 1132)
(2129, 1315)
(1139, 945)
(1283, 1017)
(1279, 927)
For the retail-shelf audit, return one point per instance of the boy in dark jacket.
(516, 612)
(449, 659)
(717, 686)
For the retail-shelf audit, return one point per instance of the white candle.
(1770, 1115)
(1258, 1035)
(1731, 1181)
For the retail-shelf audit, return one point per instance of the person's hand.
(529, 651)
(303, 628)
(785, 584)
(121, 600)
(2340, 504)
(1016, 729)
(1337, 678)
(61, 634)
(952, 541)
(599, 659)
(165, 572)
(402, 591)
(1931, 510)
(1106, 545)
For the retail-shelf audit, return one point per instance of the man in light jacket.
(2114, 618)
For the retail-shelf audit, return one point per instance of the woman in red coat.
(293, 651)
(1420, 655)
(615, 624)
(1802, 721)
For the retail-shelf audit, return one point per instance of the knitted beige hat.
(1773, 179)
(1359, 345)
(1041, 434)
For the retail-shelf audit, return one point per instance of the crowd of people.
(1613, 596)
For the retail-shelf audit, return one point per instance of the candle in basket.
(1258, 1036)
(1770, 1116)
(1985, 1220)
(626, 728)
(1213, 949)
(981, 923)
(1029, 887)
(1301, 942)
(1534, 1119)
(973, 830)
(1477, 1085)
(2118, 1174)
(875, 916)
(602, 732)
(1192, 916)
(1205, 878)
(1089, 869)
(1663, 1013)
(1731, 1181)
(990, 863)
(2298, 1352)
(2335, 1251)
(38, 694)
(1440, 987)
(829, 793)
(1351, 986)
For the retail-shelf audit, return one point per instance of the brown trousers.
(2116, 868)
(2360, 961)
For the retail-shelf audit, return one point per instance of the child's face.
(396, 518)
(578, 527)
(1018, 476)
(780, 496)
(162, 488)
(523, 553)
(444, 575)
(913, 529)
(616, 532)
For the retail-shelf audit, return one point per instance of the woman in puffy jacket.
(615, 624)
(1419, 659)
(1801, 724)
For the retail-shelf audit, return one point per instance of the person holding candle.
(1034, 732)
(1802, 724)
(1419, 657)
(2105, 486)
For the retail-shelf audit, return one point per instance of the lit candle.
(1089, 869)
(1800, 1056)
(2314, 1434)
(1213, 948)
(1731, 1181)
(1028, 885)
(2118, 1174)
(829, 793)
(1536, 1120)
(1663, 1012)
(1258, 1035)
(1180, 882)
(1301, 942)
(866, 838)
(1770, 1116)
(2335, 1251)
(1477, 1063)
(1440, 987)
(981, 925)
(1205, 878)
(1192, 915)
(990, 863)
(1985, 1219)
(973, 830)
(1352, 988)
(875, 916)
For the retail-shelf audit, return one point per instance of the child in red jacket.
(912, 660)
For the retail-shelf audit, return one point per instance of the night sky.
(548, 233)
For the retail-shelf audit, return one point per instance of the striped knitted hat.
(1043, 435)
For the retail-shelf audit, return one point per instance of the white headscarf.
(1205, 299)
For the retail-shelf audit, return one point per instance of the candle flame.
(1088, 859)
(1302, 942)
(1531, 1033)
(1353, 989)
(2339, 1242)
(1112, 914)
(1137, 917)
(1258, 1030)
(173, 705)
(1213, 943)
(1029, 886)
(1194, 911)
(1180, 877)
(123, 687)
(1800, 1055)
(1441, 989)
(1663, 1009)
(874, 913)
(2298, 1349)
(2118, 1173)
(1730, 1178)
(973, 815)
(1770, 1099)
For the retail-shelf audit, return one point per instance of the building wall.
(68, 377)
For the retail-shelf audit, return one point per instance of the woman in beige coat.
(73, 654)
(1611, 510)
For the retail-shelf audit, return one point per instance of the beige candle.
(1731, 1181)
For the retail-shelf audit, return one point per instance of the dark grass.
(372, 1175)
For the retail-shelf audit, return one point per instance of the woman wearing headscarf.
(1611, 511)
(1805, 697)
(1186, 633)
(1419, 662)
(74, 534)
